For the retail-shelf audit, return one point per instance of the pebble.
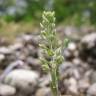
(44, 92)
(92, 90)
(93, 77)
(16, 46)
(6, 90)
(76, 72)
(25, 80)
(67, 54)
(2, 57)
(11, 66)
(89, 40)
(65, 69)
(83, 85)
(5, 50)
(72, 46)
(45, 81)
(73, 86)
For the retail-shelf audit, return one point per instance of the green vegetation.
(78, 10)
(73, 12)
(12, 29)
(52, 47)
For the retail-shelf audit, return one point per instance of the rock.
(87, 49)
(2, 57)
(87, 29)
(77, 61)
(93, 77)
(26, 37)
(11, 66)
(65, 65)
(83, 85)
(89, 40)
(92, 90)
(21, 55)
(76, 74)
(72, 32)
(4, 42)
(33, 62)
(67, 54)
(30, 39)
(16, 46)
(24, 80)
(66, 69)
(32, 51)
(88, 74)
(72, 46)
(72, 88)
(4, 50)
(6, 90)
(71, 51)
(45, 81)
(44, 92)
(69, 30)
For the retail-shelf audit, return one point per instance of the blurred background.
(21, 73)
(27, 13)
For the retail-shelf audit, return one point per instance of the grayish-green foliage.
(52, 47)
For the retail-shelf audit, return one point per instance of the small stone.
(67, 54)
(4, 42)
(76, 74)
(89, 40)
(69, 30)
(5, 50)
(83, 85)
(16, 46)
(6, 90)
(44, 92)
(32, 51)
(28, 38)
(17, 63)
(65, 69)
(45, 81)
(65, 66)
(72, 46)
(92, 90)
(76, 61)
(24, 80)
(73, 86)
(93, 77)
(33, 62)
(2, 57)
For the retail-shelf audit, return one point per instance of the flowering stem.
(52, 48)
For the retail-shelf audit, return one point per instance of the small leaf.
(58, 51)
(45, 67)
(41, 25)
(44, 18)
(50, 52)
(66, 42)
(59, 59)
(42, 46)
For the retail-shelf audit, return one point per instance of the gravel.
(21, 73)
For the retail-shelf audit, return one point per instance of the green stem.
(54, 83)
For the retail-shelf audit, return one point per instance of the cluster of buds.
(52, 46)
